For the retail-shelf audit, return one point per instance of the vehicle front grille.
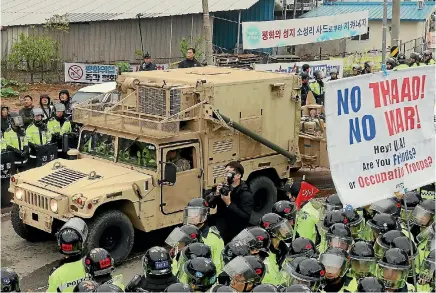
(62, 177)
(37, 200)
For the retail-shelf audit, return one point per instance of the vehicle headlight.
(54, 205)
(19, 193)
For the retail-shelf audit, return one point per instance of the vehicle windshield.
(137, 153)
(79, 97)
(97, 144)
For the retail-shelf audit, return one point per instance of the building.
(106, 31)
(415, 23)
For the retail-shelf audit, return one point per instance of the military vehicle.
(166, 141)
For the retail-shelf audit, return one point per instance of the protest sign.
(295, 67)
(307, 191)
(380, 134)
(281, 33)
(90, 73)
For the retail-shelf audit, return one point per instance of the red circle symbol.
(75, 72)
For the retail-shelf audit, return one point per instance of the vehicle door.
(187, 159)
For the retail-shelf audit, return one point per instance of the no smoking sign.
(75, 72)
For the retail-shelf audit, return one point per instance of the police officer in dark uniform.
(298, 288)
(371, 284)
(147, 65)
(390, 63)
(99, 264)
(245, 272)
(157, 272)
(106, 287)
(285, 209)
(265, 288)
(86, 286)
(309, 272)
(305, 88)
(201, 273)
(301, 247)
(10, 280)
(178, 287)
(339, 236)
(336, 263)
(190, 60)
(363, 260)
(192, 251)
(393, 270)
(384, 242)
(280, 230)
(379, 224)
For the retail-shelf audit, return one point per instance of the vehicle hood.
(73, 177)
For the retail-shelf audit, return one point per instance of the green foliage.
(9, 82)
(123, 66)
(8, 92)
(31, 53)
(139, 54)
(197, 45)
(58, 22)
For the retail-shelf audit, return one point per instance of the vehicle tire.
(113, 231)
(264, 196)
(26, 232)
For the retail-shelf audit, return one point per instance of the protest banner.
(380, 134)
(295, 67)
(282, 33)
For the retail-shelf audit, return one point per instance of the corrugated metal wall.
(225, 32)
(111, 41)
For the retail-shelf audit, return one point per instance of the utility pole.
(207, 32)
(385, 28)
(294, 14)
(395, 27)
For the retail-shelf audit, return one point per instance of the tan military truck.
(165, 142)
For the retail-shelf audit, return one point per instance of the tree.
(31, 53)
(197, 45)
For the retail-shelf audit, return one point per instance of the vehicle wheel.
(264, 197)
(113, 231)
(25, 231)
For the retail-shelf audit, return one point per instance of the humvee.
(125, 175)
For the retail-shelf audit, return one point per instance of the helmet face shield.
(77, 225)
(246, 237)
(379, 248)
(240, 271)
(338, 242)
(178, 239)
(296, 279)
(392, 277)
(387, 206)
(326, 208)
(357, 227)
(335, 266)
(283, 230)
(426, 235)
(361, 268)
(194, 215)
(427, 271)
(421, 216)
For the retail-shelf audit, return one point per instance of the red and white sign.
(307, 191)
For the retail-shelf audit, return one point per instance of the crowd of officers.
(317, 85)
(320, 247)
(25, 132)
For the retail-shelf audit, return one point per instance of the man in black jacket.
(190, 60)
(147, 65)
(234, 206)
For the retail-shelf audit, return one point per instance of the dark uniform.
(188, 63)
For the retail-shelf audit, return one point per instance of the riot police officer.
(108, 287)
(245, 272)
(265, 288)
(99, 264)
(86, 286)
(336, 263)
(415, 59)
(317, 87)
(339, 236)
(234, 249)
(301, 247)
(309, 272)
(402, 62)
(333, 74)
(178, 239)
(428, 58)
(331, 218)
(223, 288)
(357, 69)
(178, 287)
(426, 276)
(192, 251)
(305, 88)
(363, 261)
(384, 242)
(15, 138)
(390, 63)
(285, 209)
(71, 270)
(196, 213)
(387, 206)
(379, 224)
(201, 274)
(10, 280)
(411, 199)
(367, 67)
(371, 284)
(58, 127)
(355, 222)
(393, 270)
(37, 134)
(331, 203)
(423, 213)
(158, 275)
(409, 247)
(298, 288)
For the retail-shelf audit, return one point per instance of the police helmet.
(276, 226)
(223, 288)
(363, 260)
(197, 249)
(382, 223)
(368, 64)
(404, 243)
(106, 287)
(234, 249)
(391, 61)
(250, 268)
(318, 74)
(263, 240)
(333, 217)
(394, 268)
(72, 236)
(427, 269)
(290, 264)
(37, 111)
(60, 107)
(302, 247)
(196, 211)
(184, 235)
(354, 221)
(388, 206)
(411, 199)
(10, 280)
(339, 235)
(178, 287)
(304, 75)
(334, 70)
(370, 284)
(201, 273)
(293, 189)
(384, 241)
(298, 288)
(428, 53)
(309, 272)
(98, 262)
(401, 58)
(86, 286)
(265, 288)
(357, 67)
(285, 209)
(156, 262)
(332, 203)
(336, 262)
(415, 56)
(423, 214)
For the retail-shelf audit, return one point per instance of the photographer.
(234, 203)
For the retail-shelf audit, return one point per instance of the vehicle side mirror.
(170, 174)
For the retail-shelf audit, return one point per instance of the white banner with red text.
(381, 134)
(282, 33)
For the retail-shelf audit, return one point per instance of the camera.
(227, 187)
